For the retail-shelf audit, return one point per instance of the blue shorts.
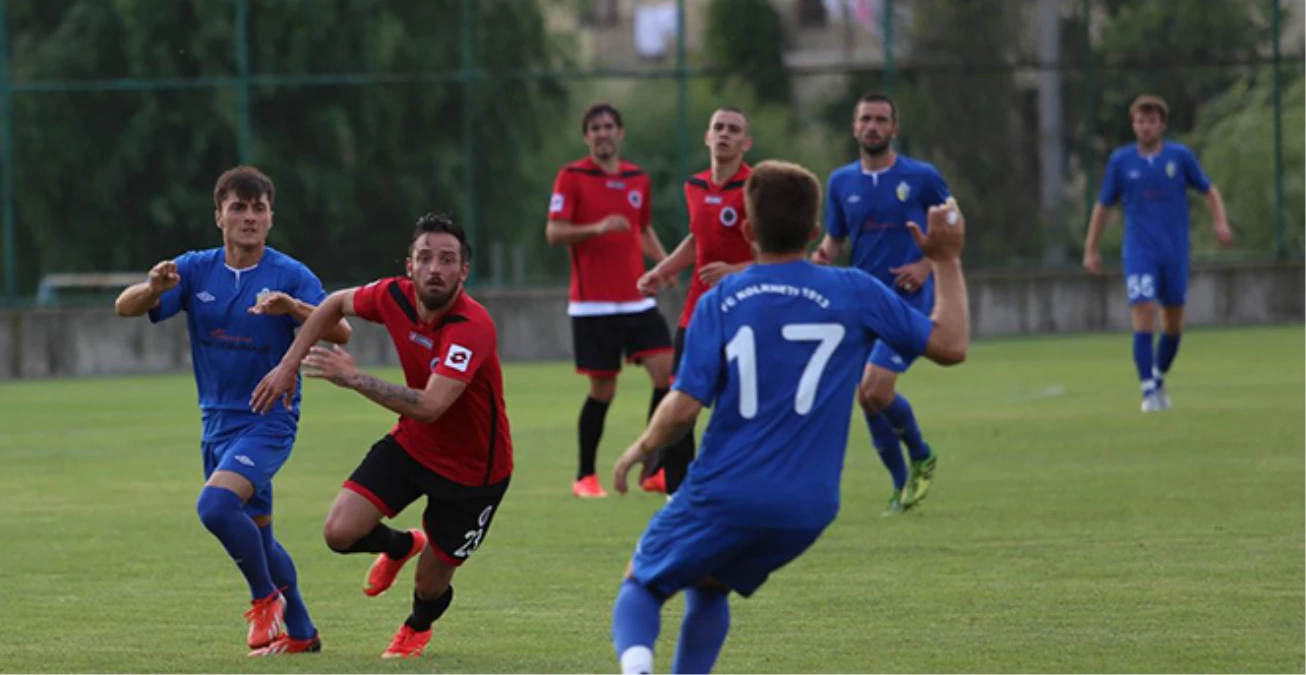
(257, 454)
(882, 355)
(1149, 279)
(681, 547)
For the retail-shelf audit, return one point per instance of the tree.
(1234, 139)
(1164, 47)
(746, 37)
(120, 179)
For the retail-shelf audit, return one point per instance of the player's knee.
(603, 388)
(215, 506)
(338, 536)
(874, 396)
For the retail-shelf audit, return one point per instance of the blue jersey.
(777, 351)
(873, 208)
(231, 349)
(1154, 191)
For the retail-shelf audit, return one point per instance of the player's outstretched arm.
(336, 366)
(280, 382)
(664, 273)
(1096, 226)
(138, 299)
(277, 303)
(674, 418)
(943, 245)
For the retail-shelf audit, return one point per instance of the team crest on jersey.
(636, 198)
(1170, 169)
(435, 361)
(904, 191)
(729, 216)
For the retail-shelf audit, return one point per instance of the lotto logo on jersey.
(556, 202)
(458, 357)
(729, 216)
(636, 198)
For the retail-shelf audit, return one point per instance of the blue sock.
(636, 620)
(904, 425)
(1143, 360)
(224, 515)
(702, 632)
(886, 443)
(1166, 349)
(298, 624)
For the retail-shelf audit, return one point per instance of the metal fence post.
(466, 75)
(1090, 109)
(682, 115)
(1279, 215)
(7, 161)
(246, 131)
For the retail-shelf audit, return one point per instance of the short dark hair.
(598, 110)
(247, 182)
(784, 201)
(1149, 103)
(880, 98)
(441, 223)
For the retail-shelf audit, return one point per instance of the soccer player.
(715, 246)
(452, 443)
(600, 212)
(1152, 178)
(871, 201)
(775, 350)
(243, 302)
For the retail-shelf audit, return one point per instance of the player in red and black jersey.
(452, 443)
(715, 245)
(600, 211)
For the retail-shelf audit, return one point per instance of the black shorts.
(457, 516)
(600, 341)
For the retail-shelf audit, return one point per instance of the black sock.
(592, 415)
(658, 394)
(425, 612)
(382, 539)
(676, 458)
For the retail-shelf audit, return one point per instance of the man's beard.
(434, 301)
(878, 148)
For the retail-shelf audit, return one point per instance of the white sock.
(637, 660)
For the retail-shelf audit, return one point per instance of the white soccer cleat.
(1151, 403)
(1162, 398)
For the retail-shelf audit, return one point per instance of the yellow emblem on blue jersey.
(904, 191)
(1170, 169)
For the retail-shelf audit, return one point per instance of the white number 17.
(743, 348)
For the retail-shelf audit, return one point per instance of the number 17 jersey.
(777, 351)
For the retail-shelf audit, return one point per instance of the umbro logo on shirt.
(205, 296)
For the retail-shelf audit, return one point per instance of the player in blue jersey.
(243, 302)
(776, 351)
(1152, 178)
(870, 201)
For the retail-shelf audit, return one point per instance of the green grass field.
(1067, 531)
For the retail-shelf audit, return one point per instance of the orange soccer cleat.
(407, 643)
(288, 645)
(588, 488)
(384, 570)
(655, 483)
(265, 620)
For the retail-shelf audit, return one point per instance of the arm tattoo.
(385, 392)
